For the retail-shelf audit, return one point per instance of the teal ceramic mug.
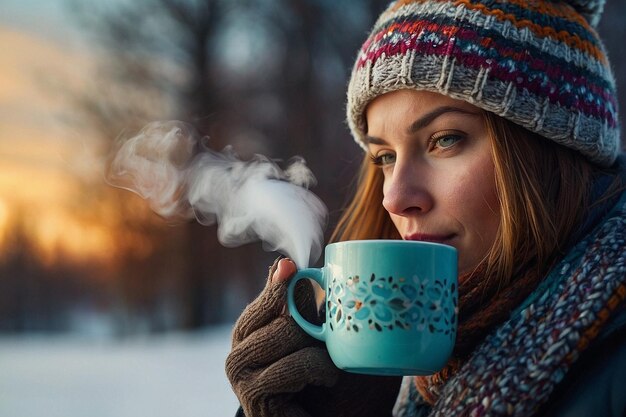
(391, 305)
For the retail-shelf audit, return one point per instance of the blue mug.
(391, 305)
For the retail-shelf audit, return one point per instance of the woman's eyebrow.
(424, 121)
(373, 140)
(428, 118)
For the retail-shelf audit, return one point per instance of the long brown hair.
(543, 190)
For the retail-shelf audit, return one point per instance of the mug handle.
(318, 332)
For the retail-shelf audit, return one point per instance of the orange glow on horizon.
(4, 219)
(50, 171)
(60, 232)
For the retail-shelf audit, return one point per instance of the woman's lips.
(424, 237)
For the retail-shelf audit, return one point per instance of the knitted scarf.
(513, 371)
(481, 308)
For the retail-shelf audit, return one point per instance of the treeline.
(265, 76)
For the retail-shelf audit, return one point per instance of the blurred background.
(106, 309)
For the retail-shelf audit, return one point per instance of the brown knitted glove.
(278, 370)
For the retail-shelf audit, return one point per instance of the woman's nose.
(407, 192)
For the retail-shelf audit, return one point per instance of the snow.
(180, 375)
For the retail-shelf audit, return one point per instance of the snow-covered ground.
(164, 376)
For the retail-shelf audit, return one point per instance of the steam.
(168, 164)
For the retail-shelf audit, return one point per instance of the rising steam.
(168, 164)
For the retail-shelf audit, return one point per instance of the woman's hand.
(271, 357)
(278, 370)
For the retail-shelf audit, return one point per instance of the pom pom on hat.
(589, 9)
(539, 64)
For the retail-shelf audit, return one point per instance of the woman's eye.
(383, 159)
(446, 141)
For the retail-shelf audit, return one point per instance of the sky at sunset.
(46, 157)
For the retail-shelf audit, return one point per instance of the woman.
(490, 126)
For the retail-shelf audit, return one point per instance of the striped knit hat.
(539, 64)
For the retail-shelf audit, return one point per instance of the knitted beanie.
(539, 64)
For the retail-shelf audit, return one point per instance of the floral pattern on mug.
(388, 303)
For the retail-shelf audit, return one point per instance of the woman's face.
(439, 185)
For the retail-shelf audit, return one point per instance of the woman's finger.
(266, 307)
(271, 303)
(283, 271)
